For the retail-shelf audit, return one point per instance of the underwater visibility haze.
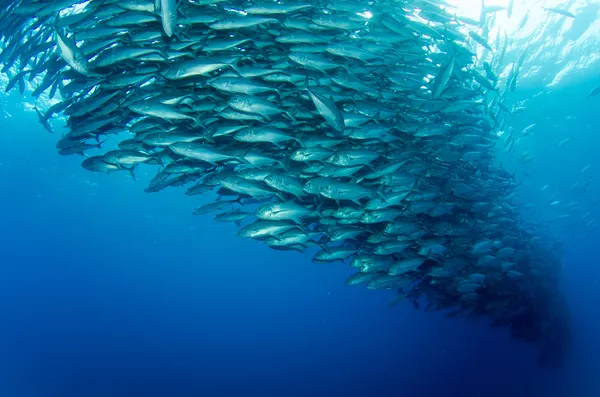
(299, 198)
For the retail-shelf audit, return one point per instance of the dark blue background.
(108, 291)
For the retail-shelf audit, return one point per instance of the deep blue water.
(109, 291)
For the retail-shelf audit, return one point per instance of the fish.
(563, 142)
(200, 67)
(595, 91)
(442, 78)
(287, 211)
(368, 136)
(235, 216)
(168, 14)
(71, 54)
(559, 11)
(264, 228)
(213, 206)
(329, 110)
(480, 40)
(97, 164)
(509, 9)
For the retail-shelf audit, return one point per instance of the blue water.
(109, 291)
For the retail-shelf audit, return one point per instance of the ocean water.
(109, 291)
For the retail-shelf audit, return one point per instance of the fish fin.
(236, 70)
(376, 117)
(131, 172)
(371, 167)
(210, 140)
(197, 122)
(325, 238)
(380, 192)
(415, 185)
(156, 157)
(178, 35)
(285, 166)
(303, 229)
(324, 247)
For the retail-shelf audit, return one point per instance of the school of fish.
(364, 130)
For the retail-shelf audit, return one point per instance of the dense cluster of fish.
(365, 129)
(572, 211)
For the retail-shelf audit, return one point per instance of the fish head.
(91, 162)
(358, 262)
(297, 57)
(138, 106)
(230, 181)
(327, 191)
(311, 187)
(299, 155)
(375, 204)
(373, 284)
(220, 83)
(247, 231)
(377, 238)
(271, 179)
(337, 159)
(244, 134)
(366, 268)
(240, 101)
(367, 217)
(264, 212)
